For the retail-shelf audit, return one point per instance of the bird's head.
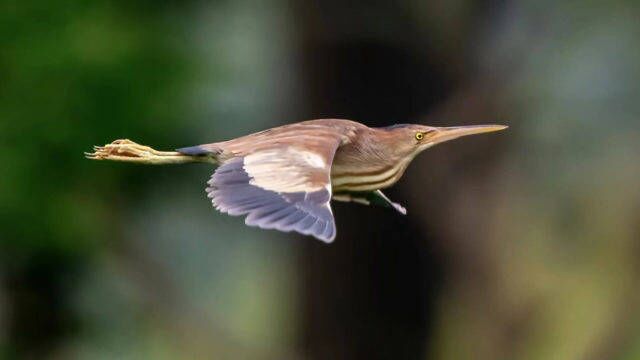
(410, 139)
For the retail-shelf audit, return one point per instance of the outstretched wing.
(287, 188)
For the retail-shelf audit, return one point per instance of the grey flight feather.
(308, 213)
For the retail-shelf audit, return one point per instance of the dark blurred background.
(517, 245)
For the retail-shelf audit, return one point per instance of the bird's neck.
(368, 163)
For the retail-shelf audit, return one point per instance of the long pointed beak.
(449, 133)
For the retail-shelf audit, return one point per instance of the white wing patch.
(295, 170)
(313, 159)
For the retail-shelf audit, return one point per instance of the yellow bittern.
(285, 177)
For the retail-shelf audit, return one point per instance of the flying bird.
(285, 177)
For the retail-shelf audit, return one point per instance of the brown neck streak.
(372, 161)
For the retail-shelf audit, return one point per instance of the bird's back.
(312, 135)
(360, 163)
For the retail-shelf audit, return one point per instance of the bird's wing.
(287, 188)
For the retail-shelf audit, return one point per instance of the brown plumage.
(285, 177)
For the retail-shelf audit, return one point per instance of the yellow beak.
(443, 134)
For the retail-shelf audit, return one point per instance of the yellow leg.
(129, 151)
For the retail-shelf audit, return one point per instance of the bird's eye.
(419, 136)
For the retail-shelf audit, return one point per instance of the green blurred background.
(518, 245)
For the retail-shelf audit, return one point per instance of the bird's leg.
(352, 197)
(381, 199)
(370, 198)
(129, 151)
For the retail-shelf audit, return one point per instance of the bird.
(285, 177)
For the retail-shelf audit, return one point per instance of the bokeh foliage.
(73, 74)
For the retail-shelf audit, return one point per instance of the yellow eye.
(419, 136)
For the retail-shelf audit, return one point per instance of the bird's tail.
(129, 151)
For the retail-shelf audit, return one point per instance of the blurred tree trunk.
(371, 294)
